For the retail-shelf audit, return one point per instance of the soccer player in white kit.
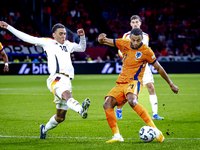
(147, 78)
(61, 71)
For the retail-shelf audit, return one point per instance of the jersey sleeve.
(74, 47)
(120, 43)
(150, 56)
(27, 38)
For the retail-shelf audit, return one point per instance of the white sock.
(116, 134)
(74, 105)
(51, 124)
(154, 103)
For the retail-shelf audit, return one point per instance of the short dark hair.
(136, 31)
(56, 26)
(136, 17)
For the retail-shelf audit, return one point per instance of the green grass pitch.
(25, 103)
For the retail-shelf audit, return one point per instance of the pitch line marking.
(8, 136)
(81, 94)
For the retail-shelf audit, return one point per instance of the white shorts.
(59, 83)
(148, 76)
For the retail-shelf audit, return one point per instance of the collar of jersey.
(138, 46)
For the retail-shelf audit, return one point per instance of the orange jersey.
(134, 60)
(145, 40)
(1, 47)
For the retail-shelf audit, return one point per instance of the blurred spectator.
(16, 60)
(164, 52)
(35, 60)
(98, 60)
(27, 59)
(73, 58)
(40, 59)
(117, 58)
(108, 58)
(88, 58)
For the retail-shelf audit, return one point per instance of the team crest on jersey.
(138, 55)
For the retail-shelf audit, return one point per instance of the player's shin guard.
(51, 124)
(74, 105)
(112, 120)
(142, 112)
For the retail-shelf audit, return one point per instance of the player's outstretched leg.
(85, 106)
(142, 112)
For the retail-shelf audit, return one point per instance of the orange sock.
(142, 112)
(112, 120)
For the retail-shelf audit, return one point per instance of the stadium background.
(26, 102)
(173, 28)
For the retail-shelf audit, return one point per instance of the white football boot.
(116, 138)
(159, 136)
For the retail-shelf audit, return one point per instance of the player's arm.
(5, 59)
(104, 40)
(162, 72)
(23, 36)
(82, 44)
(119, 52)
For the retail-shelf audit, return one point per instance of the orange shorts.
(120, 91)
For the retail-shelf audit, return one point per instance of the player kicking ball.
(148, 80)
(129, 83)
(58, 52)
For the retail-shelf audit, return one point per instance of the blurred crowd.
(173, 26)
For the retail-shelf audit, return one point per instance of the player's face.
(135, 23)
(136, 40)
(60, 35)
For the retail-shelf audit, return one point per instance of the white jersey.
(145, 37)
(58, 55)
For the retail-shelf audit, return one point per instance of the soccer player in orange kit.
(148, 81)
(129, 83)
(5, 58)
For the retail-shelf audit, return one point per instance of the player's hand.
(101, 38)
(80, 32)
(3, 24)
(174, 88)
(6, 69)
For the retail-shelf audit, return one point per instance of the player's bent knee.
(59, 119)
(110, 102)
(133, 102)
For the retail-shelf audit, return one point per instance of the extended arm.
(106, 41)
(162, 72)
(23, 36)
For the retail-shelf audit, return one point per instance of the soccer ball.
(147, 134)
